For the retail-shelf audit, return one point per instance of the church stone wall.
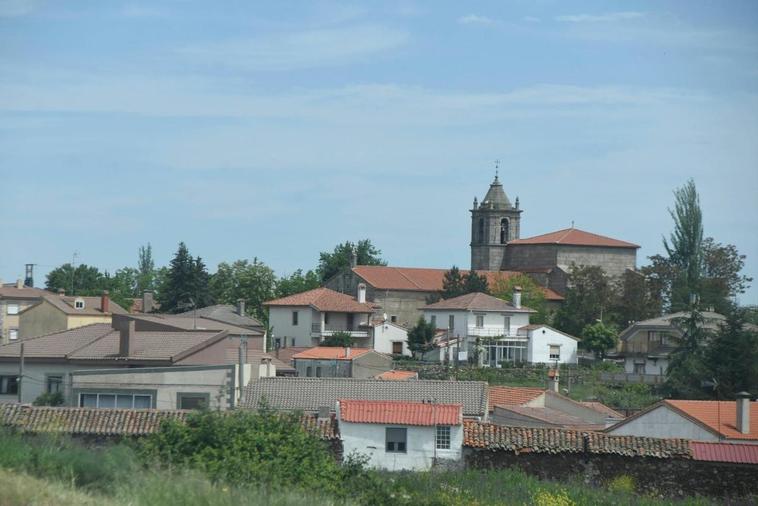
(488, 257)
(530, 256)
(614, 261)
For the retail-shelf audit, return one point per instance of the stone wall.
(663, 477)
(529, 256)
(614, 261)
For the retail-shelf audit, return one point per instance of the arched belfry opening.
(480, 234)
(504, 230)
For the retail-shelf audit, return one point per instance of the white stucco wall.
(494, 321)
(538, 349)
(386, 334)
(280, 318)
(656, 367)
(664, 423)
(369, 440)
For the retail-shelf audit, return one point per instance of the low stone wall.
(662, 477)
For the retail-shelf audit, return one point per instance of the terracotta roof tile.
(513, 396)
(330, 353)
(477, 302)
(719, 416)
(399, 412)
(539, 440)
(397, 375)
(184, 322)
(91, 305)
(575, 237)
(324, 299)
(26, 292)
(725, 452)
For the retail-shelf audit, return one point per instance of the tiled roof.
(91, 305)
(575, 237)
(711, 321)
(224, 313)
(550, 416)
(536, 326)
(719, 416)
(331, 353)
(57, 344)
(399, 412)
(397, 375)
(181, 322)
(725, 452)
(117, 422)
(420, 279)
(601, 408)
(540, 440)
(477, 302)
(323, 299)
(309, 394)
(26, 292)
(513, 396)
(286, 354)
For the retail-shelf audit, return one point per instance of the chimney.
(19, 283)
(743, 412)
(126, 333)
(347, 351)
(361, 293)
(147, 301)
(353, 258)
(553, 382)
(241, 307)
(324, 413)
(105, 302)
(61, 292)
(517, 297)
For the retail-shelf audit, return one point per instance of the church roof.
(496, 196)
(575, 237)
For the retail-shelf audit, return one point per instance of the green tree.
(82, 280)
(297, 282)
(475, 283)
(365, 254)
(453, 283)
(122, 286)
(732, 356)
(687, 368)
(599, 337)
(635, 298)
(721, 276)
(342, 339)
(532, 294)
(421, 337)
(186, 285)
(661, 277)
(145, 269)
(588, 299)
(252, 281)
(685, 244)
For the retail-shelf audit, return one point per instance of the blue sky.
(278, 130)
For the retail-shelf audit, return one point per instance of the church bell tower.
(494, 223)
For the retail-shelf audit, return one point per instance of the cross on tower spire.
(497, 169)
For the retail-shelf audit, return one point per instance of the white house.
(389, 338)
(401, 435)
(495, 331)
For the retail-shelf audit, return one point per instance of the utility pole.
(20, 372)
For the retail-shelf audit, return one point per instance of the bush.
(622, 484)
(49, 399)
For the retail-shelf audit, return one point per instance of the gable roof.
(309, 394)
(330, 353)
(25, 292)
(575, 237)
(56, 344)
(399, 412)
(477, 302)
(602, 408)
(224, 313)
(717, 417)
(551, 416)
(536, 326)
(508, 396)
(711, 321)
(397, 375)
(181, 322)
(92, 305)
(323, 299)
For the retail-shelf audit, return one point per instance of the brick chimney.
(105, 302)
(517, 297)
(743, 412)
(241, 307)
(126, 334)
(147, 301)
(361, 293)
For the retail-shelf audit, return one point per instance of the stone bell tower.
(494, 223)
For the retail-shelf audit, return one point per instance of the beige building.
(54, 313)
(14, 299)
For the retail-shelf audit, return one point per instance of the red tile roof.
(718, 416)
(477, 302)
(397, 375)
(323, 299)
(725, 452)
(400, 412)
(513, 396)
(575, 237)
(330, 353)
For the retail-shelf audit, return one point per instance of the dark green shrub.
(49, 399)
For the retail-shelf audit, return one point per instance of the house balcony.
(487, 331)
(318, 332)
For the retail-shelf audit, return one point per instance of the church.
(496, 245)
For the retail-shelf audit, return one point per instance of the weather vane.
(497, 168)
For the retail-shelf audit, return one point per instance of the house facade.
(14, 299)
(337, 362)
(401, 436)
(55, 313)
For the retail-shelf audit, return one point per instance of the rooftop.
(602, 408)
(575, 237)
(25, 292)
(324, 299)
(92, 305)
(399, 412)
(549, 416)
(477, 302)
(496, 197)
(331, 353)
(513, 396)
(718, 416)
(182, 322)
(225, 313)
(397, 375)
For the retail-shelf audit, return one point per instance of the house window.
(8, 385)
(393, 318)
(434, 321)
(555, 352)
(309, 371)
(79, 304)
(326, 318)
(54, 384)
(507, 325)
(397, 347)
(294, 318)
(12, 308)
(350, 321)
(192, 400)
(13, 334)
(113, 400)
(277, 343)
(451, 322)
(639, 368)
(318, 371)
(396, 439)
(443, 437)
(480, 321)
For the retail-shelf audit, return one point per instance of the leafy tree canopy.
(297, 282)
(637, 297)
(421, 337)
(587, 299)
(532, 294)
(145, 269)
(365, 254)
(454, 283)
(254, 282)
(685, 245)
(343, 339)
(186, 284)
(599, 337)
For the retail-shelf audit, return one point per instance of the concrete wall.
(75, 321)
(386, 334)
(538, 349)
(614, 261)
(371, 364)
(655, 366)
(10, 322)
(41, 319)
(35, 378)
(323, 368)
(369, 440)
(662, 422)
(280, 318)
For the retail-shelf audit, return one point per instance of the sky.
(276, 130)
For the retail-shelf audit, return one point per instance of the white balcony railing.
(487, 331)
(317, 332)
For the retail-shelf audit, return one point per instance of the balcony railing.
(329, 331)
(487, 331)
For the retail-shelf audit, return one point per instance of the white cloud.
(16, 8)
(475, 19)
(299, 50)
(596, 18)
